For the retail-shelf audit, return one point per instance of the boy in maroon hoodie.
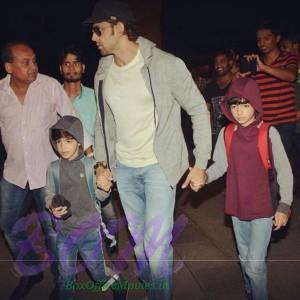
(248, 194)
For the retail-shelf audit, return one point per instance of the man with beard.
(72, 68)
(140, 92)
(215, 90)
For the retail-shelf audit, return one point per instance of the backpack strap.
(263, 145)
(228, 133)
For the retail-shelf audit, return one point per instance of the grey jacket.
(172, 87)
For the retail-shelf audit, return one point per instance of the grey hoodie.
(73, 183)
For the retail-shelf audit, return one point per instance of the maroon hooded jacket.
(247, 187)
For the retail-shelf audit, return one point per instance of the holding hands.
(196, 179)
(59, 211)
(103, 176)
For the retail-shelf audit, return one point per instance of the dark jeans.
(14, 205)
(287, 134)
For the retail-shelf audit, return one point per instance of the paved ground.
(205, 256)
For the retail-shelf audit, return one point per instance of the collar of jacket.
(146, 48)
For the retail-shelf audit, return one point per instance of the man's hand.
(196, 179)
(103, 177)
(280, 219)
(59, 211)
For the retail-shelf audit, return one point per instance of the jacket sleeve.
(220, 165)
(190, 99)
(283, 170)
(50, 187)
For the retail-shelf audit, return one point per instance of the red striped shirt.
(278, 96)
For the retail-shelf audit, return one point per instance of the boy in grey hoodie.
(71, 197)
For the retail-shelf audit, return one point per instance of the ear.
(120, 27)
(278, 37)
(8, 67)
(83, 68)
(60, 69)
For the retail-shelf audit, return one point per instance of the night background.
(190, 29)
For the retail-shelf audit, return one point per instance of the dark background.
(191, 29)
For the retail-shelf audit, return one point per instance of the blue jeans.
(14, 204)
(89, 246)
(252, 238)
(148, 201)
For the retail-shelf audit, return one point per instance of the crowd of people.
(67, 145)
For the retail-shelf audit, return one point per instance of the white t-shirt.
(132, 105)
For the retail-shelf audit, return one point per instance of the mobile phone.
(248, 65)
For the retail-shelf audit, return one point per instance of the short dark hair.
(131, 31)
(71, 49)
(226, 52)
(237, 101)
(269, 25)
(57, 134)
(291, 37)
(6, 52)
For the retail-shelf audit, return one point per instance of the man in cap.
(140, 90)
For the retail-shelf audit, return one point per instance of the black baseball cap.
(111, 10)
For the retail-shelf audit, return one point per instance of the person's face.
(106, 36)
(67, 147)
(222, 65)
(71, 69)
(266, 40)
(23, 67)
(287, 46)
(243, 113)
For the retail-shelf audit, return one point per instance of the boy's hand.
(103, 177)
(59, 211)
(280, 219)
(196, 179)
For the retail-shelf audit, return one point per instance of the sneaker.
(25, 285)
(118, 287)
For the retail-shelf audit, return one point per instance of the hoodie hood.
(73, 126)
(245, 88)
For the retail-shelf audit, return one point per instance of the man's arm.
(286, 73)
(289, 73)
(190, 99)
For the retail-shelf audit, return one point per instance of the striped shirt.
(278, 96)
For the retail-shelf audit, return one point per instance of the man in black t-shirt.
(214, 91)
